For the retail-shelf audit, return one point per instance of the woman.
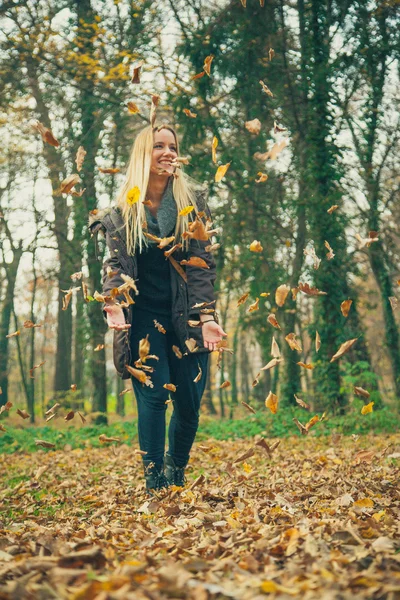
(173, 310)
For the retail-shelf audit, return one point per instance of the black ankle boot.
(175, 475)
(154, 476)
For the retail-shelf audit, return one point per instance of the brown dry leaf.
(44, 444)
(35, 367)
(243, 299)
(214, 149)
(306, 365)
(310, 291)
(368, 408)
(104, 439)
(98, 348)
(330, 254)
(317, 341)
(255, 246)
(275, 352)
(281, 294)
(109, 170)
(177, 351)
(2, 428)
(249, 408)
(137, 373)
(271, 402)
(345, 347)
(11, 335)
(278, 129)
(195, 261)
(198, 376)
(332, 208)
(359, 391)
(170, 386)
(244, 2)
(256, 380)
(253, 306)
(248, 454)
(47, 134)
(189, 113)
(393, 302)
(273, 153)
(74, 387)
(132, 108)
(159, 327)
(168, 253)
(253, 126)
(221, 172)
(311, 252)
(69, 416)
(293, 342)
(191, 344)
(225, 384)
(261, 177)
(301, 403)
(136, 67)
(80, 157)
(30, 324)
(265, 88)
(304, 429)
(52, 409)
(82, 418)
(207, 64)
(271, 51)
(155, 99)
(345, 307)
(23, 413)
(272, 363)
(366, 242)
(144, 347)
(272, 320)
(6, 406)
(68, 184)
(212, 247)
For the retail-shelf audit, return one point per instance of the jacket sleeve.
(200, 281)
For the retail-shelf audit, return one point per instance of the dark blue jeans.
(151, 400)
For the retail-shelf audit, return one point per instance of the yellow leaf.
(221, 171)
(364, 503)
(185, 211)
(214, 149)
(133, 196)
(132, 108)
(271, 402)
(367, 408)
(255, 246)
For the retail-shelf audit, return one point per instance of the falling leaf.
(225, 384)
(273, 153)
(191, 344)
(311, 252)
(304, 429)
(44, 444)
(23, 414)
(155, 99)
(332, 208)
(214, 149)
(253, 126)
(243, 299)
(366, 242)
(261, 177)
(132, 108)
(170, 386)
(47, 134)
(189, 113)
(221, 171)
(306, 365)
(272, 320)
(256, 380)
(185, 211)
(136, 67)
(278, 129)
(275, 352)
(265, 88)
(11, 335)
(109, 171)
(393, 302)
(345, 347)
(207, 64)
(30, 324)
(271, 402)
(249, 408)
(253, 306)
(144, 347)
(310, 291)
(6, 406)
(272, 363)
(294, 343)
(195, 261)
(281, 294)
(35, 367)
(198, 376)
(82, 418)
(367, 408)
(345, 307)
(248, 454)
(317, 341)
(359, 391)
(244, 2)
(159, 327)
(68, 184)
(80, 157)
(137, 373)
(271, 51)
(104, 439)
(98, 348)
(199, 75)
(74, 387)
(255, 246)
(301, 403)
(52, 409)
(133, 195)
(69, 416)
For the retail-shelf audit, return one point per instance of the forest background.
(328, 136)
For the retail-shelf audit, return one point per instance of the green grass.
(22, 439)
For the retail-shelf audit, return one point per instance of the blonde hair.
(137, 174)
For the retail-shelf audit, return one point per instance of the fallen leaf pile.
(256, 518)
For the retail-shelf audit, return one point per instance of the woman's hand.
(116, 317)
(212, 334)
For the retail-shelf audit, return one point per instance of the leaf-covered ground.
(312, 518)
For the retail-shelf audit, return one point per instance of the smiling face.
(164, 153)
